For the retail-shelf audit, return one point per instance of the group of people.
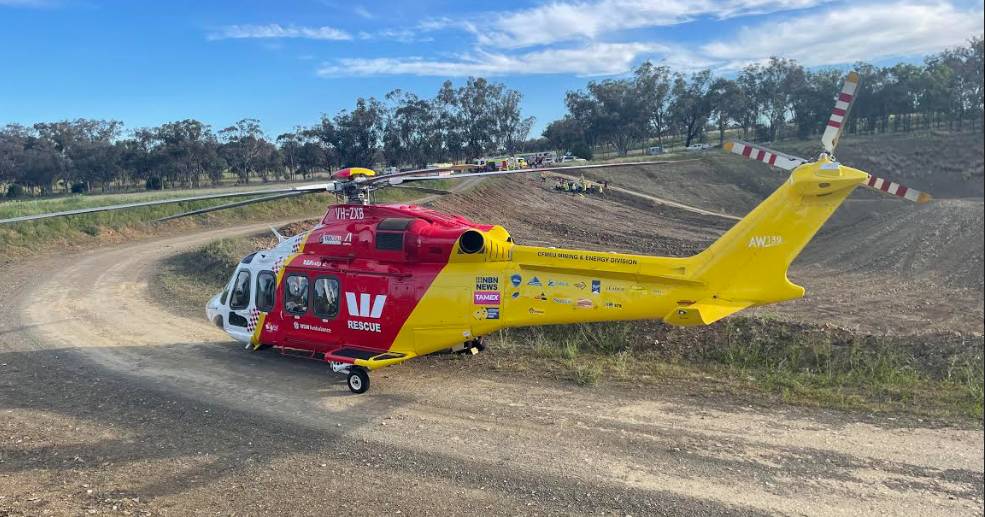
(580, 186)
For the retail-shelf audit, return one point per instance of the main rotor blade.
(233, 205)
(399, 180)
(839, 115)
(898, 190)
(80, 211)
(384, 178)
(424, 189)
(765, 155)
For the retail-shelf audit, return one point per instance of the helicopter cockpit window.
(325, 301)
(240, 297)
(266, 289)
(296, 294)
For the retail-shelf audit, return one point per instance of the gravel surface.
(112, 405)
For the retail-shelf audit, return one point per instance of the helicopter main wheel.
(358, 380)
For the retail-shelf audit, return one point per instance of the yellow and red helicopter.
(375, 285)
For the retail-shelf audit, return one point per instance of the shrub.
(15, 190)
(153, 183)
(80, 187)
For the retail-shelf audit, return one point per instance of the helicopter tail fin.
(747, 266)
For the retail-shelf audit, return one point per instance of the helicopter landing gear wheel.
(358, 380)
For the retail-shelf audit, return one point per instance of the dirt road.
(109, 404)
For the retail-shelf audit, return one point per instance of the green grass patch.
(937, 375)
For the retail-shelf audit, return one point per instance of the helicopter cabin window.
(325, 299)
(296, 294)
(266, 289)
(390, 233)
(240, 297)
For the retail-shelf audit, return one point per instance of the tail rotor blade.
(895, 189)
(767, 156)
(839, 115)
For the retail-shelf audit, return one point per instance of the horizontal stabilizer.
(705, 312)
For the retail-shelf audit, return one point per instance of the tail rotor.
(829, 139)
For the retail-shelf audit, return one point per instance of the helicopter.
(372, 285)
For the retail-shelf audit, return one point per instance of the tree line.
(458, 123)
(769, 101)
(764, 102)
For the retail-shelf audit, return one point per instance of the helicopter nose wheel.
(358, 380)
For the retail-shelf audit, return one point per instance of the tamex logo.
(765, 241)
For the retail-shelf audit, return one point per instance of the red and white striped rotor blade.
(895, 189)
(839, 115)
(767, 156)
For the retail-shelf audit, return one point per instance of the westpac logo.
(765, 241)
(366, 306)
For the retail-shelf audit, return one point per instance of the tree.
(726, 104)
(690, 107)
(564, 134)
(653, 89)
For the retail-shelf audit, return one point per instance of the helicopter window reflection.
(296, 294)
(266, 288)
(240, 298)
(326, 298)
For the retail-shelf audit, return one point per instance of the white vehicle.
(698, 147)
(568, 158)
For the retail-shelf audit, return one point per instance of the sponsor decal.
(367, 305)
(596, 287)
(337, 240)
(487, 283)
(304, 326)
(311, 262)
(765, 241)
(613, 305)
(588, 257)
(271, 327)
(485, 298)
(487, 313)
(580, 285)
(562, 301)
(516, 280)
(365, 326)
(584, 303)
(352, 213)
(615, 289)
(515, 295)
(557, 283)
(534, 310)
(535, 282)
(542, 297)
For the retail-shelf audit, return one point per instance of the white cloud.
(362, 12)
(589, 60)
(847, 34)
(277, 31)
(570, 21)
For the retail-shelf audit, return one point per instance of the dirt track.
(110, 403)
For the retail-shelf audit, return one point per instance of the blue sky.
(288, 62)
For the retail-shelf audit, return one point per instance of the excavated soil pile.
(881, 265)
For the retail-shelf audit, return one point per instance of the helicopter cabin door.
(310, 310)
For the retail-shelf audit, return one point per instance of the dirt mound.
(941, 240)
(880, 265)
(711, 181)
(535, 214)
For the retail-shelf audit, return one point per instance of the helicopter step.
(472, 347)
